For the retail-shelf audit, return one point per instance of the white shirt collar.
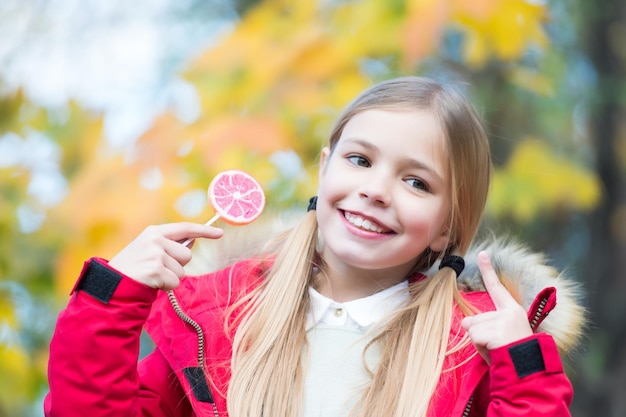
(360, 313)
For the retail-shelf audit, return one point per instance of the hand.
(157, 257)
(493, 329)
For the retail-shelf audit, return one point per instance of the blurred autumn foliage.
(269, 91)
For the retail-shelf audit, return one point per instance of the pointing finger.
(499, 295)
(186, 230)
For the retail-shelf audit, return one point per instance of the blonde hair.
(270, 343)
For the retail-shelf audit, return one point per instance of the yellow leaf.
(535, 180)
(320, 60)
(506, 28)
(16, 377)
(475, 49)
(7, 311)
(366, 29)
(516, 25)
(532, 81)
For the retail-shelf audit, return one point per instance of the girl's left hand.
(493, 329)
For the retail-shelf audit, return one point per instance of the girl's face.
(383, 191)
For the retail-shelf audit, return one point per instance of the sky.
(114, 56)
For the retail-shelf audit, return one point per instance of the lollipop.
(236, 197)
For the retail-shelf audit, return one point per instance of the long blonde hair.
(269, 350)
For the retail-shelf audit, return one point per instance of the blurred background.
(115, 115)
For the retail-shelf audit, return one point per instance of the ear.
(324, 156)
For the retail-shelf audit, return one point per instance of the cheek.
(329, 188)
(323, 214)
(428, 221)
(440, 228)
(327, 196)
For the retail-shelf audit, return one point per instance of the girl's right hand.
(157, 256)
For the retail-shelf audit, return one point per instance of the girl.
(369, 320)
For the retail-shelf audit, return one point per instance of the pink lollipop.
(236, 197)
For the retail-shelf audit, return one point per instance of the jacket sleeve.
(93, 369)
(525, 378)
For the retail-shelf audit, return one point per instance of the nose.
(377, 188)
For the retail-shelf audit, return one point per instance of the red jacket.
(93, 369)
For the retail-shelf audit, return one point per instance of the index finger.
(499, 295)
(187, 230)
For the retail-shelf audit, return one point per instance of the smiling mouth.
(362, 223)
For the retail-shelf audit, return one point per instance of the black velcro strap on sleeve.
(99, 281)
(197, 380)
(527, 358)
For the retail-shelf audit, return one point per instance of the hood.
(525, 273)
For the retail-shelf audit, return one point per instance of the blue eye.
(417, 184)
(359, 160)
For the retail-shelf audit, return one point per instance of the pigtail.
(268, 376)
(413, 345)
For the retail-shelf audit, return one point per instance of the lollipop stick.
(210, 222)
(213, 220)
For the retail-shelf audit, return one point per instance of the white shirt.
(335, 373)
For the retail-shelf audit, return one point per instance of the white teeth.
(362, 223)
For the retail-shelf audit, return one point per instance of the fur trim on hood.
(523, 272)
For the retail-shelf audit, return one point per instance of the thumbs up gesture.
(493, 329)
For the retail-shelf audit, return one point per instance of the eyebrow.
(410, 162)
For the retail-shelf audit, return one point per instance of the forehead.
(408, 136)
(408, 128)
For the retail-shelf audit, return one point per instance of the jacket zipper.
(180, 313)
(533, 325)
(538, 313)
(468, 407)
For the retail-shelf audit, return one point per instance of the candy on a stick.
(236, 197)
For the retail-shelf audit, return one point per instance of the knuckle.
(154, 231)
(150, 230)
